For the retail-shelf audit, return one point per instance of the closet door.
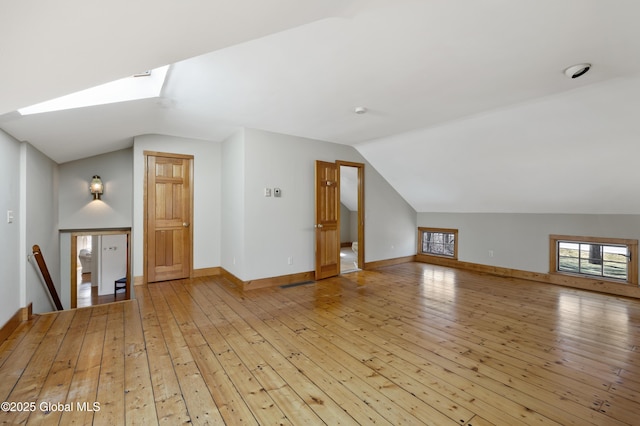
(169, 214)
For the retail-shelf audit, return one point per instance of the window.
(604, 258)
(125, 89)
(438, 242)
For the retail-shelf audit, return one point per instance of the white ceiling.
(468, 107)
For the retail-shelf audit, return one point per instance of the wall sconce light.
(96, 187)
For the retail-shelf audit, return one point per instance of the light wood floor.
(348, 260)
(406, 344)
(87, 295)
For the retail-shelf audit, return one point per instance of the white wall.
(353, 223)
(520, 240)
(112, 261)
(390, 221)
(345, 224)
(10, 249)
(77, 208)
(279, 228)
(233, 178)
(29, 188)
(206, 189)
(41, 213)
(253, 236)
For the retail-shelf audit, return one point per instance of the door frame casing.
(361, 217)
(145, 248)
(73, 302)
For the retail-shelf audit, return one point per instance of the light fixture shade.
(96, 187)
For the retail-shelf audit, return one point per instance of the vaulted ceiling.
(468, 106)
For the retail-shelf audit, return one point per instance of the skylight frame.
(141, 86)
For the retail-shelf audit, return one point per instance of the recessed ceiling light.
(577, 70)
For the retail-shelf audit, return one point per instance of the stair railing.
(47, 277)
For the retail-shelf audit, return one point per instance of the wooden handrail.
(47, 277)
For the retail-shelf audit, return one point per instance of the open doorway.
(99, 267)
(328, 181)
(351, 216)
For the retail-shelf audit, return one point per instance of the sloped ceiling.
(468, 106)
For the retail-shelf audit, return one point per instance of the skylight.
(142, 86)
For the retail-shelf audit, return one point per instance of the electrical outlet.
(267, 192)
(290, 260)
(490, 253)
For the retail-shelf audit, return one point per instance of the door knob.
(185, 224)
(319, 225)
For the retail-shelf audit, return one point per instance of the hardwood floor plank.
(84, 383)
(169, 402)
(21, 355)
(251, 347)
(479, 421)
(404, 344)
(504, 364)
(257, 398)
(139, 400)
(111, 390)
(228, 399)
(315, 398)
(439, 399)
(230, 402)
(15, 339)
(279, 390)
(288, 345)
(56, 385)
(538, 399)
(34, 375)
(493, 383)
(485, 341)
(348, 354)
(200, 405)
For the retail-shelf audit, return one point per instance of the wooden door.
(168, 210)
(327, 220)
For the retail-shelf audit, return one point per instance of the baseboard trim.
(278, 281)
(232, 278)
(196, 273)
(23, 314)
(206, 272)
(608, 287)
(389, 262)
(299, 277)
(267, 282)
